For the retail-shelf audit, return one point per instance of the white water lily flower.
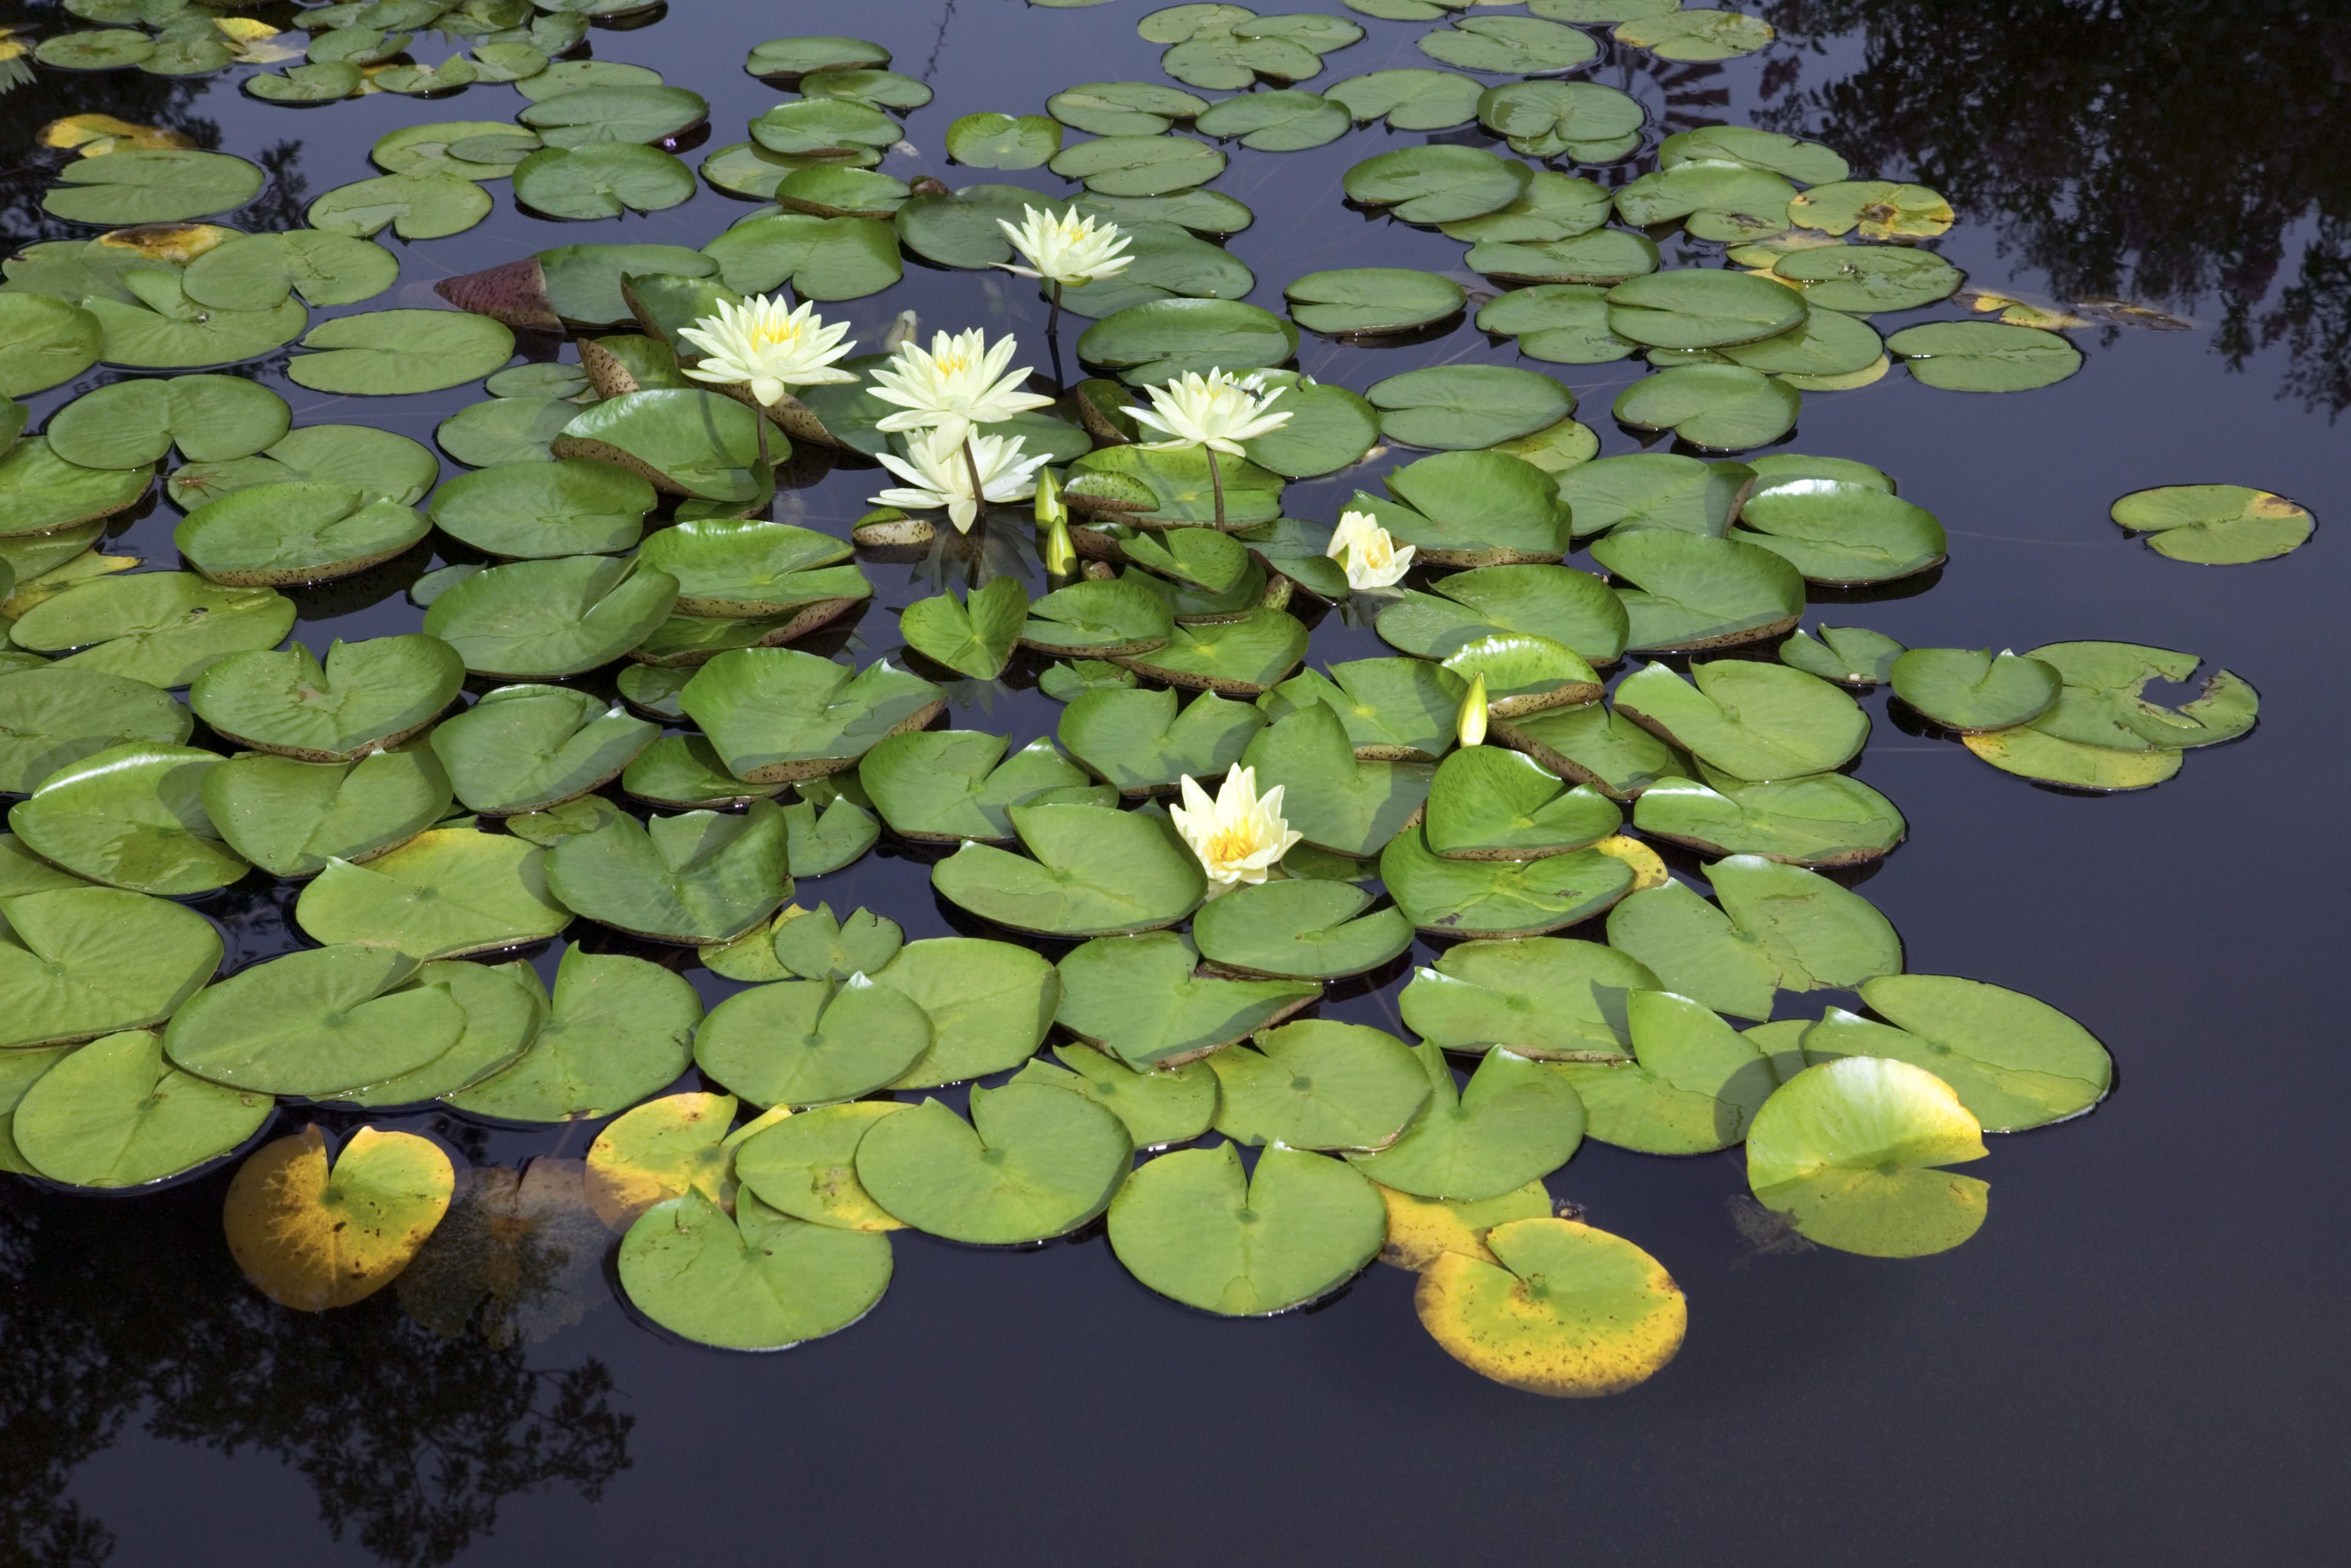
(1371, 558)
(938, 473)
(960, 383)
(1217, 410)
(1072, 250)
(1471, 723)
(774, 348)
(1239, 837)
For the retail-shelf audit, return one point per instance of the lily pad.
(1138, 741)
(44, 341)
(601, 180)
(381, 465)
(2215, 524)
(1242, 657)
(133, 424)
(443, 894)
(2101, 704)
(385, 353)
(1728, 408)
(797, 56)
(1299, 929)
(527, 748)
(975, 635)
(1559, 603)
(1513, 45)
(618, 1030)
(1689, 592)
(1461, 406)
(811, 1042)
(1599, 258)
(1822, 819)
(2014, 1062)
(1780, 927)
(114, 1114)
(1975, 690)
(498, 146)
(1436, 184)
(1140, 165)
(1422, 1229)
(41, 492)
(257, 272)
(1498, 898)
(687, 443)
(632, 113)
(1751, 720)
(310, 1236)
(1139, 999)
(1361, 299)
(429, 203)
(1851, 1151)
(805, 1165)
(1487, 803)
(540, 619)
(1340, 803)
(732, 567)
(759, 1279)
(51, 719)
(777, 714)
(1984, 356)
(1565, 1310)
(503, 1006)
(1879, 209)
(1702, 307)
(658, 1151)
(315, 1022)
(1517, 1119)
(1807, 161)
(1594, 746)
(1122, 108)
(1565, 323)
(367, 696)
(1836, 531)
(991, 140)
(701, 877)
(1193, 1227)
(1319, 1085)
(1717, 199)
(131, 817)
(272, 535)
(2071, 764)
(1396, 710)
(1547, 997)
(1412, 97)
(989, 1004)
(151, 185)
(1585, 121)
(1173, 1105)
(1655, 490)
(80, 962)
(1280, 122)
(1164, 340)
(1866, 278)
(1849, 655)
(573, 505)
(943, 785)
(1693, 1086)
(1034, 1162)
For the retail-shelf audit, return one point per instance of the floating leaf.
(114, 1114)
(574, 506)
(1437, 184)
(387, 352)
(1398, 710)
(44, 341)
(942, 786)
(797, 57)
(1751, 720)
(51, 719)
(1702, 307)
(975, 635)
(1412, 98)
(1837, 532)
(273, 535)
(1516, 1121)
(1514, 46)
(1808, 161)
(1340, 803)
(1585, 121)
(1034, 1162)
(811, 1042)
(1277, 121)
(311, 1238)
(618, 1030)
(2101, 704)
(1139, 999)
(1691, 592)
(660, 1150)
(1566, 1310)
(151, 185)
(1422, 1229)
(993, 141)
(131, 817)
(805, 1165)
(590, 115)
(503, 1006)
(758, 1281)
(1460, 406)
(1728, 408)
(77, 962)
(1194, 1229)
(380, 465)
(429, 203)
(315, 1022)
(1498, 898)
(701, 877)
(1559, 604)
(730, 566)
(368, 697)
(526, 748)
(1879, 209)
(1601, 259)
(1849, 1151)
(1565, 323)
(2215, 524)
(1780, 927)
(601, 180)
(2014, 1062)
(1318, 1085)
(1823, 820)
(443, 894)
(1172, 1105)
(1984, 356)
(777, 714)
(1693, 1086)
(1122, 108)
(1975, 690)
(1163, 340)
(2071, 764)
(685, 443)
(1299, 929)
(1485, 803)
(537, 619)
(1593, 746)
(133, 424)
(1547, 997)
(1869, 278)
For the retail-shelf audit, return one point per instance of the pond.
(2131, 1359)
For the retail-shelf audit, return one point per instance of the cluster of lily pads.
(1471, 789)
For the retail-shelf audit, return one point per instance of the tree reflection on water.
(2167, 153)
(119, 1314)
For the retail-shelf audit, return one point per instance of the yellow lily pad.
(94, 134)
(661, 1149)
(1422, 1229)
(312, 1234)
(1648, 871)
(1565, 1310)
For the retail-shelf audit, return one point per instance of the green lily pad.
(685, 443)
(1984, 356)
(1719, 198)
(257, 272)
(151, 185)
(805, 1165)
(498, 146)
(1584, 121)
(1555, 207)
(1780, 927)
(1565, 323)
(1513, 45)
(1851, 1151)
(1371, 299)
(527, 748)
(632, 113)
(617, 1031)
(1195, 558)
(797, 56)
(658, 1151)
(290, 818)
(1525, 673)
(1547, 997)
(816, 947)
(1330, 428)
(1163, 340)
(702, 877)
(1822, 819)
(990, 1005)
(1594, 746)
(811, 1042)
(2101, 704)
(574, 506)
(1696, 34)
(131, 817)
(77, 962)
(443, 894)
(1338, 802)
(1412, 97)
(779, 715)
(1866, 278)
(958, 228)
(1558, 603)
(1807, 161)
(1461, 406)
(975, 635)
(832, 193)
(51, 719)
(822, 258)
(430, 204)
(1975, 690)
(1396, 710)
(133, 424)
(1318, 1085)
(1693, 1086)
(732, 567)
(1034, 1162)
(114, 1114)
(540, 619)
(165, 329)
(943, 785)
(992, 140)
(1879, 209)
(1601, 259)
(1067, 680)
(601, 180)
(1751, 720)
(1829, 344)
(385, 353)
(684, 773)
(1173, 1105)
(1498, 898)
(1655, 490)
(1194, 1229)
(1517, 1119)
(1834, 531)
(1280, 122)
(1849, 655)
(1485, 803)
(2014, 1062)
(1139, 165)
(1166, 488)
(315, 1022)
(367, 696)
(891, 89)
(2215, 524)
(1122, 108)
(379, 463)
(270, 535)
(1242, 657)
(1728, 408)
(747, 169)
(1437, 184)
(44, 341)
(1299, 930)
(757, 1279)
(1689, 592)
(1138, 741)
(2074, 765)
(1140, 999)
(1702, 307)
(552, 827)
(95, 49)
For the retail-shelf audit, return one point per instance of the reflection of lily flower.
(1471, 725)
(938, 473)
(1072, 250)
(761, 342)
(1239, 836)
(1371, 561)
(960, 383)
(1217, 410)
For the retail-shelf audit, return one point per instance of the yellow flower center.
(786, 330)
(1232, 845)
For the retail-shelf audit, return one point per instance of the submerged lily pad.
(1138, 998)
(80, 962)
(1034, 1162)
(1851, 1151)
(618, 1030)
(2215, 524)
(1191, 1226)
(310, 1236)
(1779, 927)
(1565, 1310)
(1517, 1119)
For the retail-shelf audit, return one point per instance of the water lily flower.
(1471, 723)
(960, 383)
(1239, 836)
(1072, 250)
(956, 474)
(1217, 411)
(772, 348)
(1373, 562)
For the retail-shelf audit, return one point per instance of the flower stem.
(1053, 334)
(761, 416)
(1216, 481)
(978, 491)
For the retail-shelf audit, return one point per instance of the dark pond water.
(2139, 1360)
